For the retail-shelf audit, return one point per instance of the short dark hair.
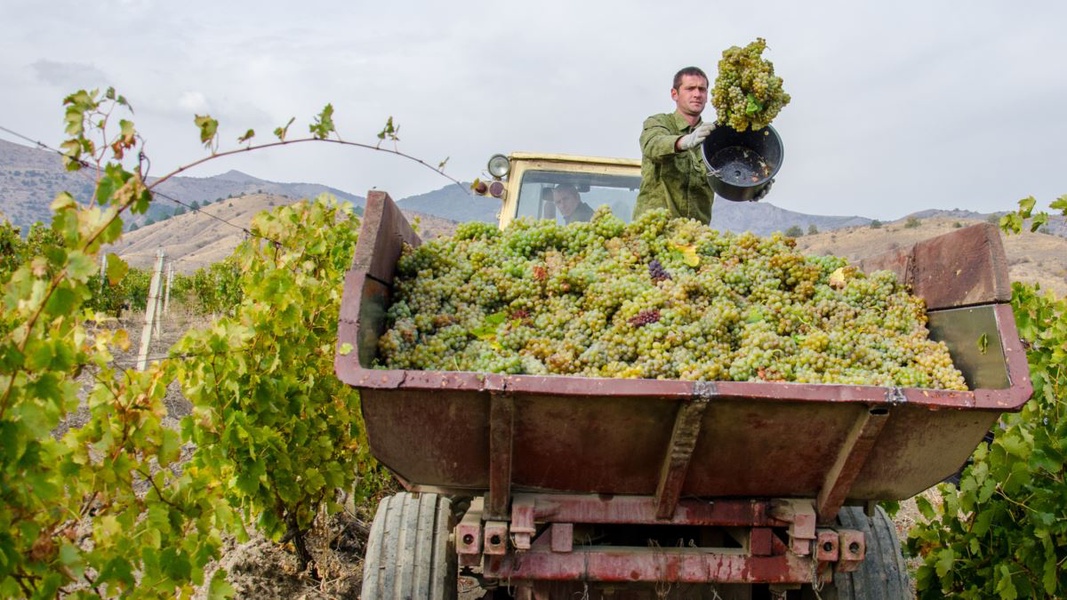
(568, 189)
(692, 71)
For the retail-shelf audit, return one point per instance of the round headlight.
(499, 165)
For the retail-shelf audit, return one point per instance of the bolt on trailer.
(559, 486)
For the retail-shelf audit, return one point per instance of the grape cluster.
(747, 93)
(645, 317)
(658, 298)
(656, 271)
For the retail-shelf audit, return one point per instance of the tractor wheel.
(409, 553)
(883, 574)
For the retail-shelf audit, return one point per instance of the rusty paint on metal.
(495, 540)
(562, 537)
(679, 452)
(853, 548)
(641, 510)
(761, 541)
(501, 432)
(673, 565)
(850, 460)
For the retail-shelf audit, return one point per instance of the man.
(673, 174)
(570, 204)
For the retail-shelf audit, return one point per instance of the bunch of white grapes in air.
(659, 298)
(747, 93)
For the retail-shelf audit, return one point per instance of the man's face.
(566, 201)
(691, 96)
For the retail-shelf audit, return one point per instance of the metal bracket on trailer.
(469, 535)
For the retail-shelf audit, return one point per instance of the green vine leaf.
(323, 125)
(209, 128)
(389, 131)
(280, 132)
(1026, 206)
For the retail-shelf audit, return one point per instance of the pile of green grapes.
(659, 298)
(747, 93)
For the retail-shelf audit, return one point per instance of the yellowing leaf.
(345, 349)
(837, 278)
(689, 254)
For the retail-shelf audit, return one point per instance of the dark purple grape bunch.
(645, 317)
(657, 272)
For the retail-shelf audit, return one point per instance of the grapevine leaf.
(1011, 223)
(63, 202)
(247, 136)
(689, 254)
(1050, 580)
(487, 331)
(1060, 204)
(280, 132)
(925, 507)
(69, 555)
(313, 479)
(1014, 445)
(169, 447)
(837, 278)
(1005, 587)
(945, 558)
(983, 343)
(345, 349)
(1026, 206)
(1037, 221)
(323, 125)
(390, 130)
(247, 483)
(118, 569)
(983, 520)
(61, 302)
(116, 269)
(80, 266)
(208, 129)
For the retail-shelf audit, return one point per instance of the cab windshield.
(568, 196)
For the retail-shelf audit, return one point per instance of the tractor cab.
(528, 185)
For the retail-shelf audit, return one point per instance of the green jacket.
(677, 181)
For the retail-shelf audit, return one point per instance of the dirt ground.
(263, 570)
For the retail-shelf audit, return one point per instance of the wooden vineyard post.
(166, 292)
(151, 315)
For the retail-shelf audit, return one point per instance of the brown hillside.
(1032, 257)
(197, 239)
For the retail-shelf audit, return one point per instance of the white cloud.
(193, 102)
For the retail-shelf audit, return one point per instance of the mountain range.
(31, 177)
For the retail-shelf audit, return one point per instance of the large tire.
(883, 575)
(410, 555)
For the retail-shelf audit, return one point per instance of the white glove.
(696, 137)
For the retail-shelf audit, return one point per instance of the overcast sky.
(896, 106)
